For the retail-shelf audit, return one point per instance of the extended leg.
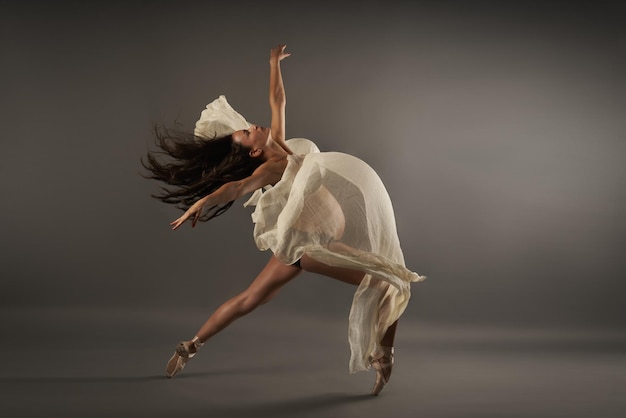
(273, 276)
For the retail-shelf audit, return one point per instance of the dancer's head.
(254, 139)
(197, 167)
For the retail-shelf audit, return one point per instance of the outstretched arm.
(228, 192)
(278, 100)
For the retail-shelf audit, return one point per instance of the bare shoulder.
(271, 170)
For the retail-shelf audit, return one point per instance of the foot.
(383, 365)
(185, 350)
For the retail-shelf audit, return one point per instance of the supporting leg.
(383, 364)
(389, 336)
(345, 275)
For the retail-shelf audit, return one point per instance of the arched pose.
(323, 212)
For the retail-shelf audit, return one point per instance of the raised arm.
(278, 100)
(230, 191)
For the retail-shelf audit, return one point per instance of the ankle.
(387, 351)
(196, 344)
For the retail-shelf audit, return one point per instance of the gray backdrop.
(497, 128)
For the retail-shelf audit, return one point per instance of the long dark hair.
(196, 167)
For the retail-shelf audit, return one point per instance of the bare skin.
(269, 145)
(267, 284)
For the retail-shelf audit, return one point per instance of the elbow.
(236, 190)
(278, 98)
(228, 192)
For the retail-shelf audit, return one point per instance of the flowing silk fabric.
(334, 208)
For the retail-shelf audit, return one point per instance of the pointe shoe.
(383, 366)
(185, 350)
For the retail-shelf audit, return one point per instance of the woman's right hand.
(195, 210)
(278, 54)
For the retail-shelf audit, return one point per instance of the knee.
(246, 303)
(267, 298)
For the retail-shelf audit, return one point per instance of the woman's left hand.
(195, 210)
(278, 54)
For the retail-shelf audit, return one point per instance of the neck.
(273, 151)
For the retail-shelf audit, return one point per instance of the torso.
(275, 169)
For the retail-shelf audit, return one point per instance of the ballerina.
(323, 212)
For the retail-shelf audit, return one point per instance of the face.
(253, 138)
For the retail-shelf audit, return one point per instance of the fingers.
(194, 211)
(178, 222)
(195, 219)
(279, 51)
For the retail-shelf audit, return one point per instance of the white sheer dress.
(334, 208)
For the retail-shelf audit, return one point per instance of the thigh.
(274, 275)
(345, 275)
(321, 213)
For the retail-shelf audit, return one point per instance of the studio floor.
(71, 362)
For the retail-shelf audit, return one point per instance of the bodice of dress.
(299, 146)
(334, 208)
